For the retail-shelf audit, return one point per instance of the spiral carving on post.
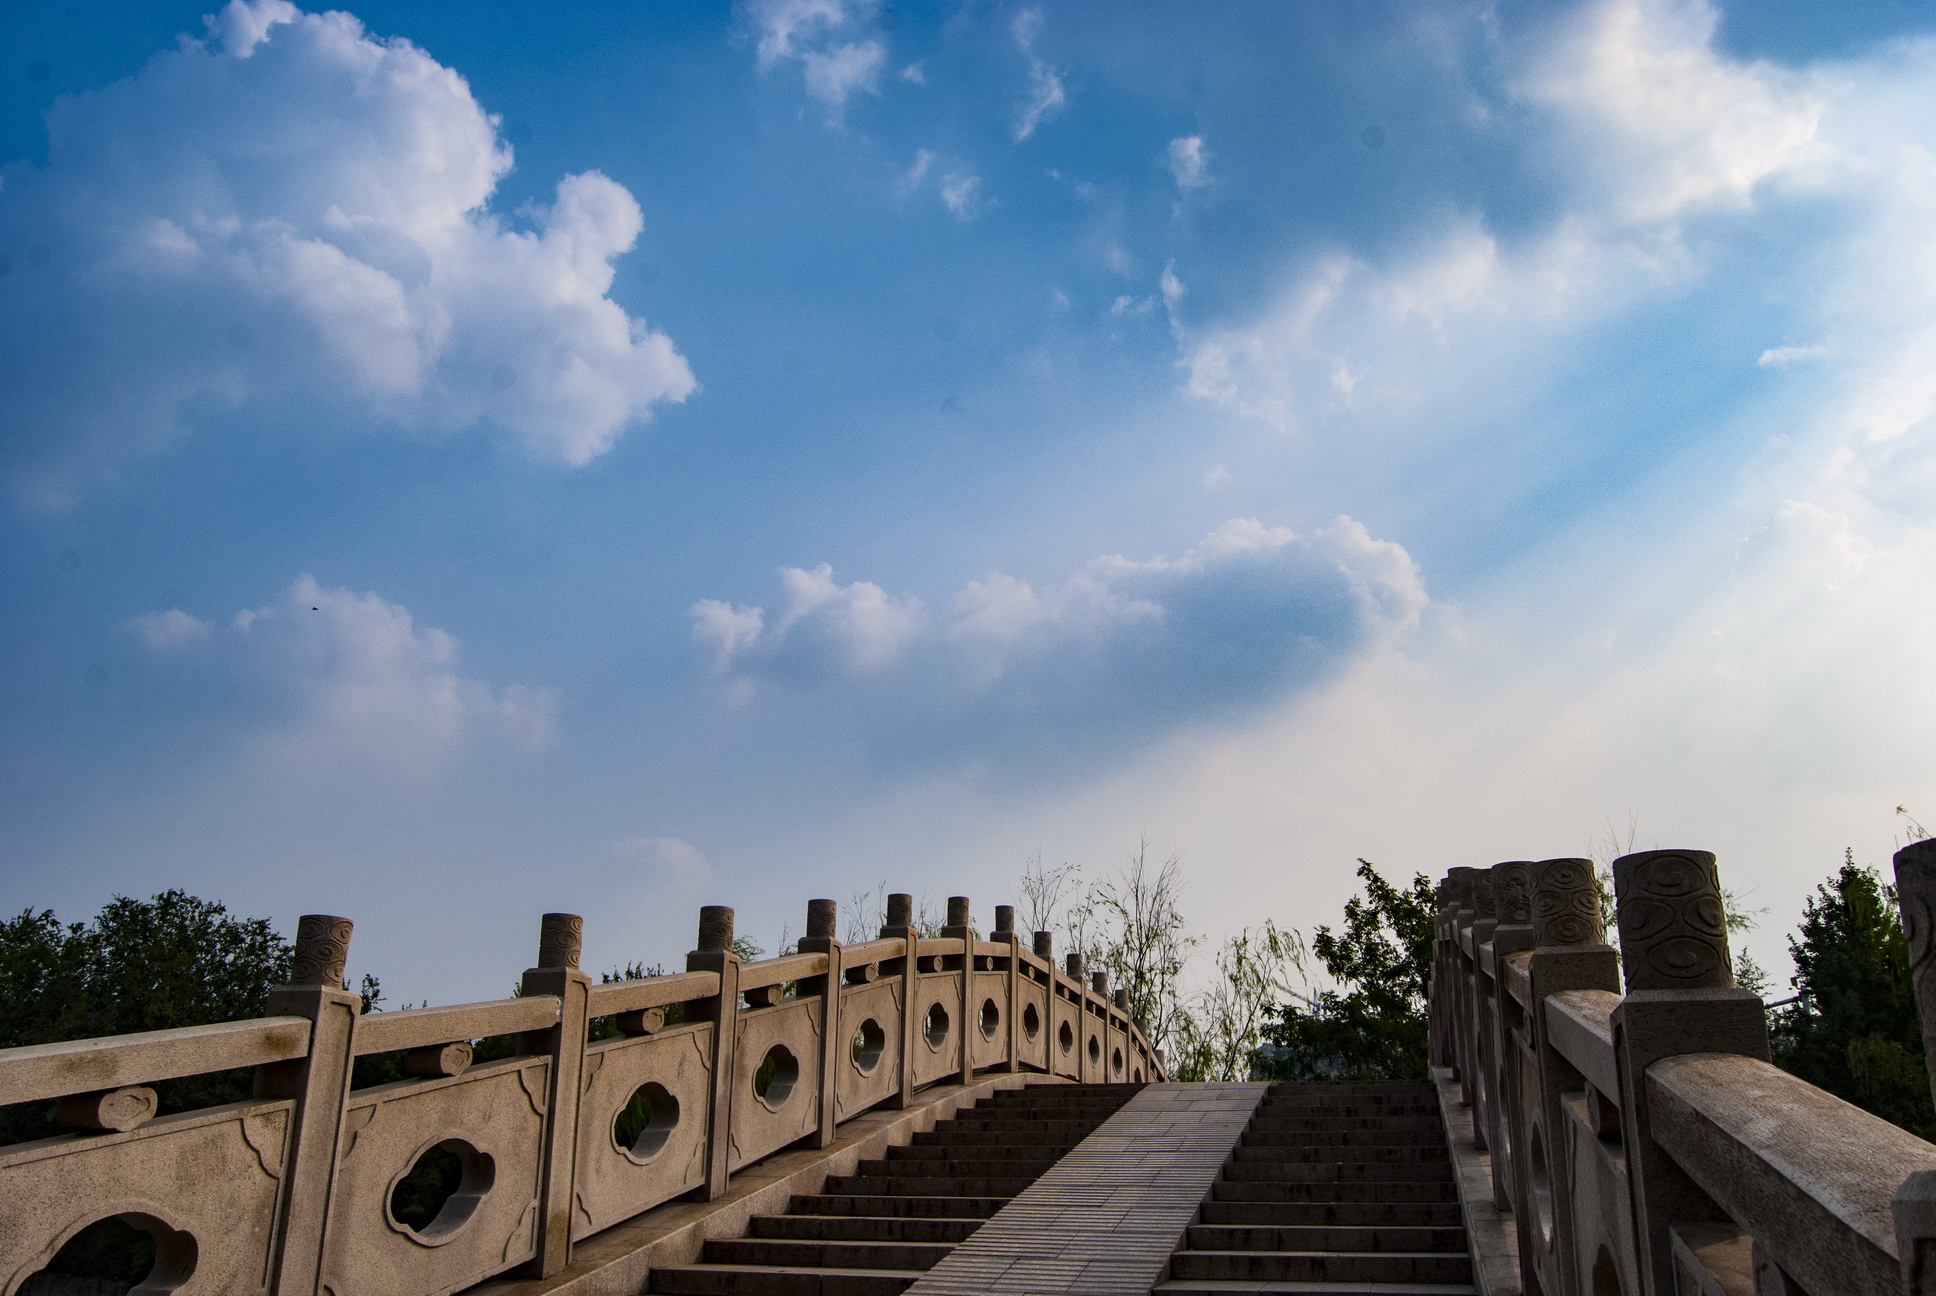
(322, 950)
(958, 911)
(561, 938)
(900, 912)
(1484, 903)
(1004, 919)
(1045, 945)
(1566, 903)
(822, 917)
(1673, 926)
(1458, 887)
(716, 927)
(1916, 895)
(1512, 892)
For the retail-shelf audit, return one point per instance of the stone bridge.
(952, 1115)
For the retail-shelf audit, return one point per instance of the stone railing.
(293, 1192)
(1645, 1144)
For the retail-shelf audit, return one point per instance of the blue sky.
(462, 462)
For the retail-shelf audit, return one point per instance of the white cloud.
(1782, 356)
(915, 72)
(352, 678)
(1131, 307)
(1046, 96)
(668, 855)
(171, 629)
(1188, 163)
(1121, 645)
(961, 191)
(811, 31)
(292, 215)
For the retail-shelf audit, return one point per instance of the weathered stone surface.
(1566, 903)
(1673, 926)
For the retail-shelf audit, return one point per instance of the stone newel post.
(320, 1084)
(715, 954)
(1005, 931)
(561, 938)
(1914, 1205)
(961, 928)
(900, 926)
(822, 924)
(1681, 998)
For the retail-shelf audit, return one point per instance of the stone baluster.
(1914, 1205)
(1569, 952)
(961, 927)
(560, 941)
(1005, 932)
(715, 954)
(1512, 884)
(320, 1085)
(900, 926)
(822, 938)
(1478, 1090)
(1459, 980)
(1681, 998)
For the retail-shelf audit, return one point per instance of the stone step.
(1240, 1237)
(1385, 1191)
(1323, 1266)
(976, 1167)
(1429, 1122)
(1288, 1111)
(1332, 1171)
(1218, 1287)
(1343, 1138)
(708, 1280)
(1360, 1153)
(901, 1206)
(928, 1186)
(1289, 1087)
(967, 1125)
(1023, 1150)
(803, 1253)
(867, 1228)
(1332, 1214)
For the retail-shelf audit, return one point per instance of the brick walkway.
(1105, 1219)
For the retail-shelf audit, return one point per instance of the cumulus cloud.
(1188, 164)
(959, 188)
(287, 214)
(329, 675)
(1045, 96)
(1249, 613)
(828, 38)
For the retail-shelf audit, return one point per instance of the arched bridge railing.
(576, 1130)
(1644, 1143)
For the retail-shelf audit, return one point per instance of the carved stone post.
(1569, 953)
(1914, 1205)
(900, 925)
(320, 1084)
(1479, 1071)
(1459, 981)
(560, 940)
(715, 954)
(1437, 997)
(822, 917)
(1005, 931)
(960, 928)
(1681, 998)
(1512, 895)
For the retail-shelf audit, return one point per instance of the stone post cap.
(561, 939)
(900, 915)
(1122, 1000)
(1045, 945)
(1004, 920)
(1458, 886)
(822, 916)
(1484, 904)
(1073, 963)
(1099, 982)
(1673, 926)
(715, 929)
(322, 951)
(959, 925)
(1566, 903)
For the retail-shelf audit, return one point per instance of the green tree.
(1372, 1026)
(1853, 1028)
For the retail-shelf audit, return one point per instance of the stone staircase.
(1334, 1188)
(874, 1232)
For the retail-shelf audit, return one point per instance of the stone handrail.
(296, 1190)
(1643, 1142)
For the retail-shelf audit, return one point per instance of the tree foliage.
(1137, 935)
(1372, 1025)
(1853, 1028)
(1218, 1030)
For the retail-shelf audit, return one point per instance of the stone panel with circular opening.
(1115, 1062)
(778, 1072)
(645, 1124)
(865, 1050)
(991, 1018)
(229, 1217)
(934, 1027)
(133, 1250)
(777, 1075)
(1031, 1022)
(1066, 1037)
(856, 1090)
(1095, 1051)
(437, 1196)
(614, 1181)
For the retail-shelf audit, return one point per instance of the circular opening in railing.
(773, 1082)
(1542, 1187)
(1031, 1022)
(441, 1190)
(869, 1040)
(1116, 1061)
(936, 1029)
(1095, 1049)
(1139, 1075)
(119, 1253)
(643, 1125)
(991, 1019)
(1066, 1037)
